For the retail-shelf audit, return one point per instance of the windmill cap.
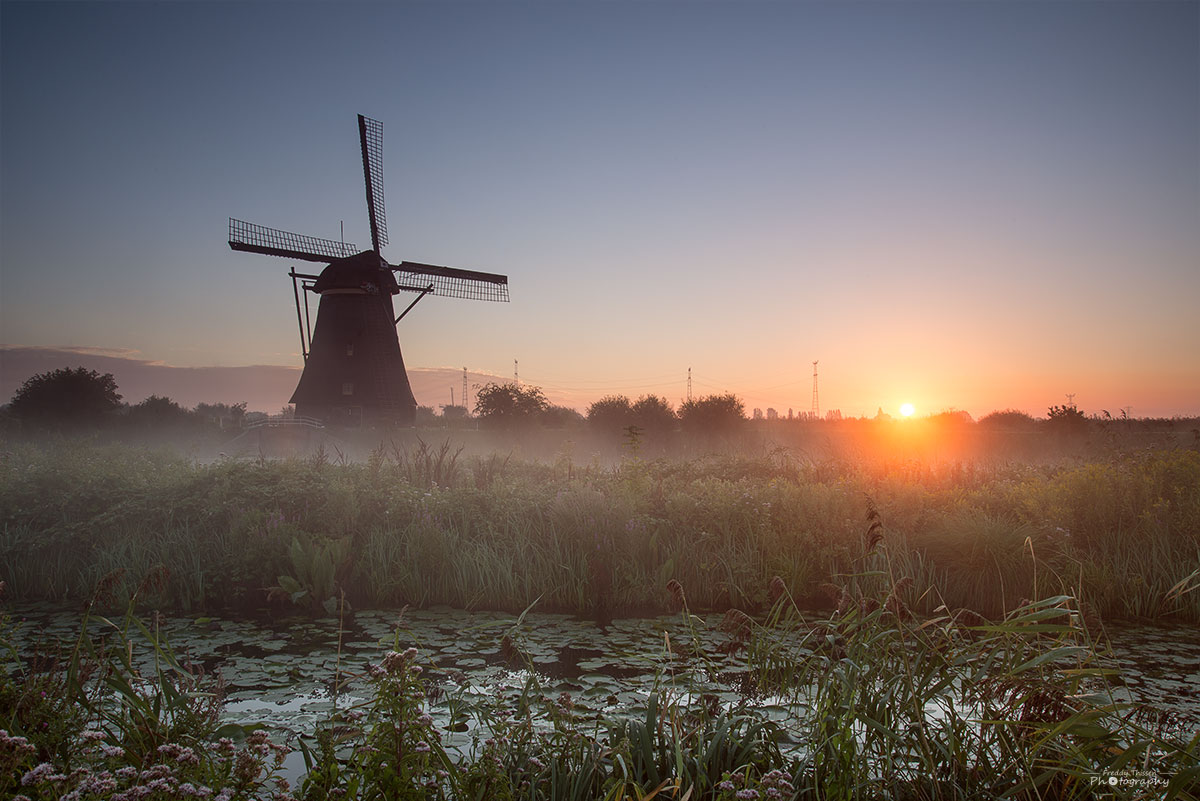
(366, 271)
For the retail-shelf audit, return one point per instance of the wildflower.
(425, 720)
(746, 794)
(91, 735)
(100, 785)
(246, 769)
(725, 786)
(422, 747)
(18, 744)
(163, 784)
(536, 763)
(39, 774)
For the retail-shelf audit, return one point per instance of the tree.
(712, 413)
(158, 411)
(654, 415)
(1067, 419)
(508, 405)
(560, 417)
(610, 414)
(222, 413)
(66, 398)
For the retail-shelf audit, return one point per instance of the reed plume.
(676, 590)
(777, 589)
(737, 623)
(895, 603)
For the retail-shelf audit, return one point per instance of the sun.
(906, 410)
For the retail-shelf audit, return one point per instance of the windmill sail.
(370, 138)
(273, 242)
(450, 282)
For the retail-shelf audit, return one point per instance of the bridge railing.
(281, 421)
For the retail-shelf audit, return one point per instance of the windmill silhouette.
(353, 369)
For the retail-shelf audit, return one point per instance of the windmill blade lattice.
(452, 283)
(370, 137)
(274, 242)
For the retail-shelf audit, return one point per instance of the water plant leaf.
(1062, 652)
(289, 585)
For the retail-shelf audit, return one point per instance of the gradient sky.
(962, 205)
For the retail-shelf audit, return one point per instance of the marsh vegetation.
(840, 628)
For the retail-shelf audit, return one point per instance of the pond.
(290, 674)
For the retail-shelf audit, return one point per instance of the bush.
(1008, 419)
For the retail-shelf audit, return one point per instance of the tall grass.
(425, 526)
(878, 705)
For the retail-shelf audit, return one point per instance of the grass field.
(423, 524)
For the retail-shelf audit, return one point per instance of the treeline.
(76, 399)
(72, 400)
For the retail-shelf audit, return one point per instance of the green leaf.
(1049, 656)
(289, 585)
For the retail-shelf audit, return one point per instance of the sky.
(961, 205)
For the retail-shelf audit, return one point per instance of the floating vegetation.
(447, 703)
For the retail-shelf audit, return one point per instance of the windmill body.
(354, 371)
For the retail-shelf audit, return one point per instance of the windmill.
(353, 369)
